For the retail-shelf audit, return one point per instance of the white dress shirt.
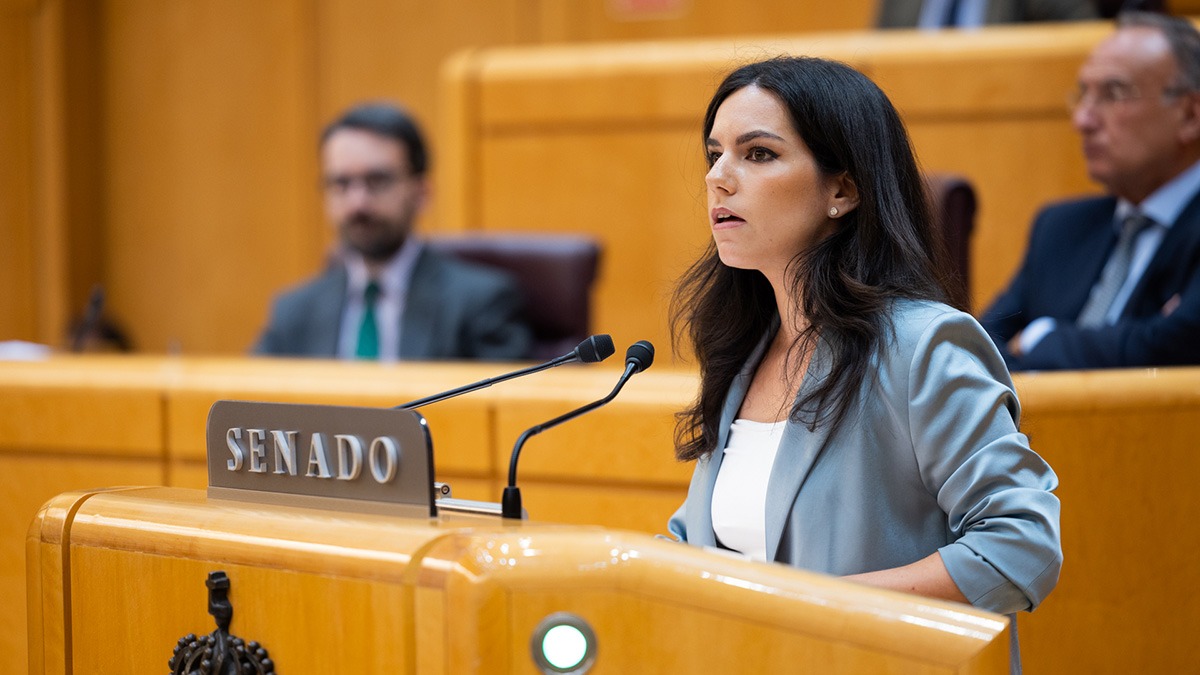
(389, 306)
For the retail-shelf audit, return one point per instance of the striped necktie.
(368, 329)
(1114, 274)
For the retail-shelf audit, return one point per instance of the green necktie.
(368, 330)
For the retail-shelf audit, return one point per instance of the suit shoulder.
(464, 274)
(922, 324)
(1077, 209)
(306, 291)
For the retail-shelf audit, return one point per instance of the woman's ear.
(844, 197)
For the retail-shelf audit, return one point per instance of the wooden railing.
(1122, 442)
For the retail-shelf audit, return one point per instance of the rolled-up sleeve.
(1002, 516)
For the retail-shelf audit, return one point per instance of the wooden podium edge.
(48, 591)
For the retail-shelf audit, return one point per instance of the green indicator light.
(563, 644)
(564, 647)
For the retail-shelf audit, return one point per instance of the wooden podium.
(116, 577)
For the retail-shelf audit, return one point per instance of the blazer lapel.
(798, 450)
(418, 322)
(1086, 256)
(1170, 267)
(326, 313)
(699, 521)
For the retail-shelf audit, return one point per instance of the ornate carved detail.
(219, 653)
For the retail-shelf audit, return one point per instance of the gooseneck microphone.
(638, 357)
(592, 350)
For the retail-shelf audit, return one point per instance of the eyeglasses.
(374, 182)
(1112, 93)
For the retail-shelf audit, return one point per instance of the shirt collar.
(1164, 205)
(393, 277)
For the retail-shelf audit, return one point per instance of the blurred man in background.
(386, 296)
(1114, 281)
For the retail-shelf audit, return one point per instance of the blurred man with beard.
(386, 296)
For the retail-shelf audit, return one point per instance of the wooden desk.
(119, 577)
(1122, 443)
(79, 423)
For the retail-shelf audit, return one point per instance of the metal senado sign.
(364, 459)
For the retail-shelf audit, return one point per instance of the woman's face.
(767, 200)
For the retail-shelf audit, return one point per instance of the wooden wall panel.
(210, 193)
(603, 139)
(82, 149)
(651, 224)
(393, 50)
(575, 20)
(1050, 169)
(18, 311)
(1122, 557)
(987, 119)
(49, 197)
(26, 483)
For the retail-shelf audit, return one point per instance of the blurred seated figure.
(387, 296)
(936, 14)
(1114, 281)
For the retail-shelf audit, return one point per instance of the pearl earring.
(833, 211)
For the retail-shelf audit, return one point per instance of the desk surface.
(470, 587)
(1122, 442)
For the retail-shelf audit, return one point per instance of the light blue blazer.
(928, 459)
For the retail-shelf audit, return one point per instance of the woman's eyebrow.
(747, 137)
(756, 134)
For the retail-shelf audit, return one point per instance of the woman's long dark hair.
(882, 250)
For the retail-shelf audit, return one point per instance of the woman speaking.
(849, 421)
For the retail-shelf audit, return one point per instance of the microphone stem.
(466, 388)
(630, 369)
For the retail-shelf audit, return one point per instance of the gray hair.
(1180, 34)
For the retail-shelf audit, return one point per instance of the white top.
(739, 503)
(389, 306)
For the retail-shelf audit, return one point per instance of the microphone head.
(596, 348)
(640, 354)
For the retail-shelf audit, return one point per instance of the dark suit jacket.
(454, 310)
(1068, 247)
(905, 13)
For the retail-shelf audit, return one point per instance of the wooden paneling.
(83, 406)
(1121, 442)
(49, 171)
(328, 624)
(604, 139)
(210, 189)
(49, 192)
(389, 50)
(1042, 163)
(26, 483)
(18, 319)
(350, 593)
(1123, 445)
(575, 20)
(649, 223)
